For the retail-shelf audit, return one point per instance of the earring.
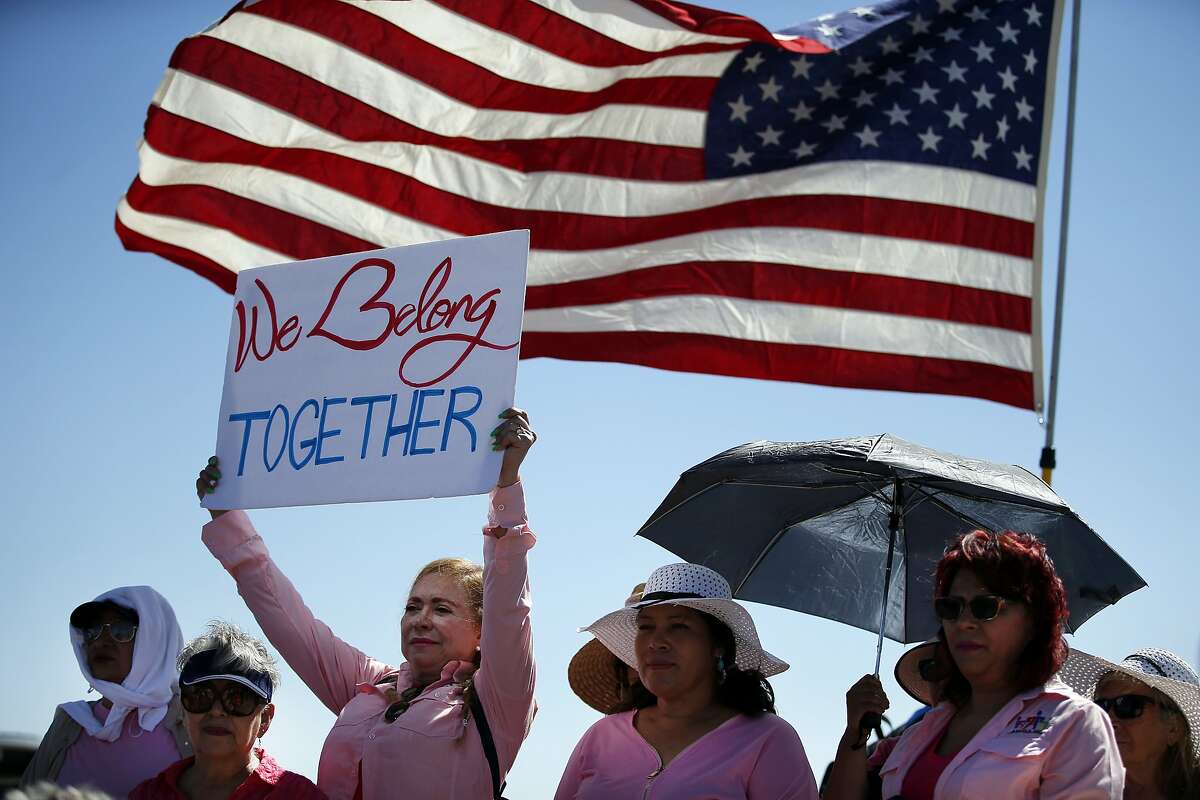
(721, 671)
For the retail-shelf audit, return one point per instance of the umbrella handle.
(871, 722)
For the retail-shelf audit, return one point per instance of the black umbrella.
(851, 529)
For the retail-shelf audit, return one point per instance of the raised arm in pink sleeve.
(1087, 764)
(505, 679)
(327, 665)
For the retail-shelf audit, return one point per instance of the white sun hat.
(693, 586)
(1158, 669)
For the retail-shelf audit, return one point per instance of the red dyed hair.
(1014, 566)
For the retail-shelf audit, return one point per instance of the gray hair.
(48, 791)
(236, 650)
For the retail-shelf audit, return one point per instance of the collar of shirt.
(268, 771)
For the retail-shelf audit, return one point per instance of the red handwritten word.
(427, 316)
(246, 345)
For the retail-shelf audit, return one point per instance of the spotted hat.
(593, 673)
(1158, 669)
(693, 586)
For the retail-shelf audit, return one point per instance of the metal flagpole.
(1047, 461)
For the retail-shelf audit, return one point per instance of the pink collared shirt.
(745, 758)
(1047, 743)
(430, 751)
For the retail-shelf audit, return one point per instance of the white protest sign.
(371, 376)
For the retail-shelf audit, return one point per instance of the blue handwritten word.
(313, 421)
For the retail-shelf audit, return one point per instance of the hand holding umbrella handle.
(865, 703)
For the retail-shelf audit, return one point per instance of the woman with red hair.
(1003, 725)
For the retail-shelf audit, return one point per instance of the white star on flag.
(804, 150)
(753, 62)
(860, 67)
(769, 136)
(979, 147)
(771, 89)
(1007, 33)
(927, 93)
(834, 123)
(740, 109)
(1008, 80)
(929, 139)
(954, 72)
(801, 110)
(983, 98)
(800, 67)
(1024, 110)
(898, 115)
(1023, 159)
(741, 157)
(955, 117)
(868, 137)
(983, 52)
(1002, 127)
(828, 90)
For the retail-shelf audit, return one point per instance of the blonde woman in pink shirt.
(422, 729)
(1003, 725)
(701, 720)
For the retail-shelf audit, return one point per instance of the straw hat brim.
(911, 677)
(1083, 672)
(617, 631)
(593, 679)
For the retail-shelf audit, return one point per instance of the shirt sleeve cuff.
(507, 507)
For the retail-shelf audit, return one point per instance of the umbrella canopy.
(805, 526)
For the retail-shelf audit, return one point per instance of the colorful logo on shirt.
(1034, 723)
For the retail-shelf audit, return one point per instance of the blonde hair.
(467, 574)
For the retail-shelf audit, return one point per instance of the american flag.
(854, 201)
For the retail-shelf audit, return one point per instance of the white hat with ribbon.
(697, 587)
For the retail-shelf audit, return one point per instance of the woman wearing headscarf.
(700, 722)
(125, 641)
(1153, 700)
(1003, 725)
(226, 681)
(413, 730)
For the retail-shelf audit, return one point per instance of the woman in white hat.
(701, 720)
(1153, 700)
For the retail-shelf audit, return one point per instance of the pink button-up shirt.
(1047, 743)
(429, 752)
(745, 758)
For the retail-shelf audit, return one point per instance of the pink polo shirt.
(745, 758)
(429, 752)
(1048, 743)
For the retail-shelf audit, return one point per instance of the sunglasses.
(983, 607)
(122, 632)
(237, 700)
(1127, 706)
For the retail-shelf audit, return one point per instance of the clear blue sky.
(114, 364)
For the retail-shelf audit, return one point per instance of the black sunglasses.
(983, 607)
(122, 632)
(237, 700)
(1127, 706)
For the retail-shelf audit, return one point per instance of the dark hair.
(1014, 566)
(746, 691)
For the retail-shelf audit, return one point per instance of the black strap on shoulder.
(489, 744)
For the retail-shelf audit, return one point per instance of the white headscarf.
(153, 676)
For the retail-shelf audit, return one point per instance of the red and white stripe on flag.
(294, 130)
